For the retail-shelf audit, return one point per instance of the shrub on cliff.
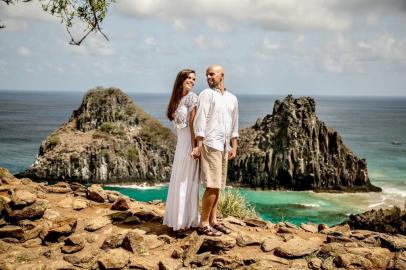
(233, 203)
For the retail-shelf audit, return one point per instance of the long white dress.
(182, 203)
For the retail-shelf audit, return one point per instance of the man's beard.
(214, 84)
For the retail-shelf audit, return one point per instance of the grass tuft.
(233, 203)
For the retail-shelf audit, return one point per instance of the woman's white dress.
(182, 203)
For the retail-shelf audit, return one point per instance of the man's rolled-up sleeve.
(201, 115)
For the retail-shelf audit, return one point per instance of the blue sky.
(314, 47)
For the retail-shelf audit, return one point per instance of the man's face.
(214, 77)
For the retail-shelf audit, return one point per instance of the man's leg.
(208, 201)
(213, 213)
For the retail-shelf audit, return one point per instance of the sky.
(277, 47)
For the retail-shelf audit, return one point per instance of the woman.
(182, 203)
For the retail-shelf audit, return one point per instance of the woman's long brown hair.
(177, 92)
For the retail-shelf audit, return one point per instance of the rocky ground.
(69, 226)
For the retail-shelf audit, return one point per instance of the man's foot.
(221, 227)
(209, 231)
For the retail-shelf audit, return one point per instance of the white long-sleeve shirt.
(216, 118)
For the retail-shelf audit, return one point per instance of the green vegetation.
(133, 154)
(112, 128)
(54, 141)
(233, 203)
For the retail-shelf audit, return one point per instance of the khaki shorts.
(213, 167)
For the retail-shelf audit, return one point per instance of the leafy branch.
(90, 12)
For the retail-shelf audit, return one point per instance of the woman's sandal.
(209, 231)
(221, 227)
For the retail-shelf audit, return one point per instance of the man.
(216, 124)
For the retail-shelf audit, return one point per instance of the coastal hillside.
(292, 149)
(108, 138)
(70, 226)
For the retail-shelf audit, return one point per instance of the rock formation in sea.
(292, 149)
(392, 220)
(108, 138)
(71, 226)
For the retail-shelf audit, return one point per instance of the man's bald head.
(215, 76)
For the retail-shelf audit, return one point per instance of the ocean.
(368, 126)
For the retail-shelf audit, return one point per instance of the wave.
(141, 186)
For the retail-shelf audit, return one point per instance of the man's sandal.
(209, 231)
(221, 227)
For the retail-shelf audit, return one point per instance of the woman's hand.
(196, 152)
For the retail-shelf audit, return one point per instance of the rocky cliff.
(292, 149)
(108, 138)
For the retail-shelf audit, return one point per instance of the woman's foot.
(209, 231)
(221, 227)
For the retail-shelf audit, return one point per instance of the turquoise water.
(368, 126)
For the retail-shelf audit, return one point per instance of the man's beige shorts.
(213, 167)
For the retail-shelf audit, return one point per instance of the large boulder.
(292, 149)
(108, 138)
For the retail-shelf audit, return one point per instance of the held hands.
(196, 152)
(232, 153)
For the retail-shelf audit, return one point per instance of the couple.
(205, 125)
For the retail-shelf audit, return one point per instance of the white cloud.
(25, 11)
(275, 15)
(179, 25)
(218, 24)
(92, 45)
(268, 44)
(150, 42)
(24, 51)
(204, 43)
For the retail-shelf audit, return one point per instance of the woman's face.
(189, 82)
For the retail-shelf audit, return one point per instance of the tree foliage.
(89, 12)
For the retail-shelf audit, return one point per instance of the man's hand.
(196, 152)
(232, 153)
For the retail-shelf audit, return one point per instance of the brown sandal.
(209, 231)
(221, 227)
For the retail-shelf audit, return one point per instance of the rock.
(165, 238)
(51, 214)
(61, 187)
(59, 265)
(134, 242)
(351, 261)
(83, 259)
(121, 204)
(378, 258)
(23, 198)
(66, 202)
(234, 220)
(299, 264)
(296, 248)
(108, 138)
(148, 216)
(245, 239)
(74, 243)
(270, 243)
(217, 243)
(32, 211)
(290, 225)
(12, 232)
(292, 149)
(194, 242)
(114, 240)
(168, 264)
(79, 204)
(392, 220)
(31, 229)
(400, 261)
(60, 227)
(120, 216)
(393, 242)
(32, 243)
(96, 193)
(97, 223)
(255, 222)
(203, 259)
(309, 228)
(152, 241)
(322, 227)
(343, 230)
(314, 263)
(142, 264)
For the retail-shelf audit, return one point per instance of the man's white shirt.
(216, 118)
